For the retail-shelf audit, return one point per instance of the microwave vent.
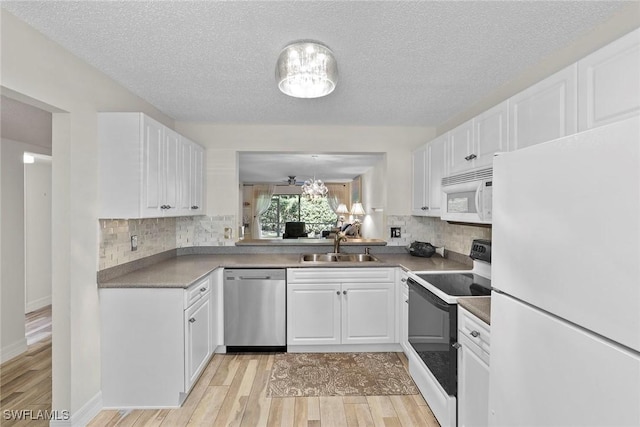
(477, 175)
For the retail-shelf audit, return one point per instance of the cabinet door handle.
(475, 334)
(344, 292)
(407, 301)
(470, 157)
(425, 208)
(203, 289)
(192, 320)
(456, 345)
(338, 293)
(403, 280)
(195, 207)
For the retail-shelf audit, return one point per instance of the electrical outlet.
(395, 232)
(134, 243)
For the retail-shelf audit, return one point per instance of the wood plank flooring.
(232, 392)
(25, 381)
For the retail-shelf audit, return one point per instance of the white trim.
(13, 350)
(83, 416)
(345, 348)
(37, 304)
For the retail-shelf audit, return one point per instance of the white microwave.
(467, 197)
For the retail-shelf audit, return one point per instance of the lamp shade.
(342, 209)
(357, 209)
(306, 69)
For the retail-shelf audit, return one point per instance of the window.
(316, 214)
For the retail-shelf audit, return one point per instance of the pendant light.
(314, 189)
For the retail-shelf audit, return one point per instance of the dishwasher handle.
(254, 278)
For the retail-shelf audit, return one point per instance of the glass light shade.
(357, 209)
(342, 209)
(314, 189)
(306, 70)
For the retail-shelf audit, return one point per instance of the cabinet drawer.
(339, 275)
(196, 291)
(474, 329)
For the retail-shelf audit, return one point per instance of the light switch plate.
(395, 232)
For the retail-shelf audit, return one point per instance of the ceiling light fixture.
(314, 189)
(306, 69)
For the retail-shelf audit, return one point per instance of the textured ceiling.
(400, 63)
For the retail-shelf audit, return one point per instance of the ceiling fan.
(292, 181)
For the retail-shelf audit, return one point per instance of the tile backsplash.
(156, 235)
(206, 231)
(454, 237)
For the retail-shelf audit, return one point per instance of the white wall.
(23, 128)
(12, 272)
(38, 71)
(223, 142)
(37, 233)
(374, 195)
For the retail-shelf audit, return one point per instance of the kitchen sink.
(331, 257)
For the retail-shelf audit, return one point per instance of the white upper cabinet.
(544, 111)
(419, 197)
(428, 166)
(171, 170)
(197, 179)
(191, 160)
(460, 148)
(491, 134)
(435, 172)
(609, 83)
(146, 169)
(473, 144)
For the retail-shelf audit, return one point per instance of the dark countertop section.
(182, 271)
(478, 306)
(306, 241)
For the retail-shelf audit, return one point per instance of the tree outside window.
(315, 213)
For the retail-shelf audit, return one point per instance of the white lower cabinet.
(473, 370)
(331, 306)
(403, 307)
(197, 339)
(155, 343)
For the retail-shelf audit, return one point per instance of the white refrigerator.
(565, 317)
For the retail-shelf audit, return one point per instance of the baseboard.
(83, 416)
(13, 350)
(38, 304)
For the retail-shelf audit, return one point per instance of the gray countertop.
(478, 306)
(182, 271)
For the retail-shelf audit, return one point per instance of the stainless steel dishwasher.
(255, 310)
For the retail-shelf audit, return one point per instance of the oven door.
(433, 334)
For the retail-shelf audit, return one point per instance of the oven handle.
(428, 295)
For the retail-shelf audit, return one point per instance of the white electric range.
(433, 328)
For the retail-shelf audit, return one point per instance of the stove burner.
(459, 284)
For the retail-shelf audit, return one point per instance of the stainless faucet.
(339, 237)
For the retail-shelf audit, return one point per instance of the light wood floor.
(25, 381)
(232, 392)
